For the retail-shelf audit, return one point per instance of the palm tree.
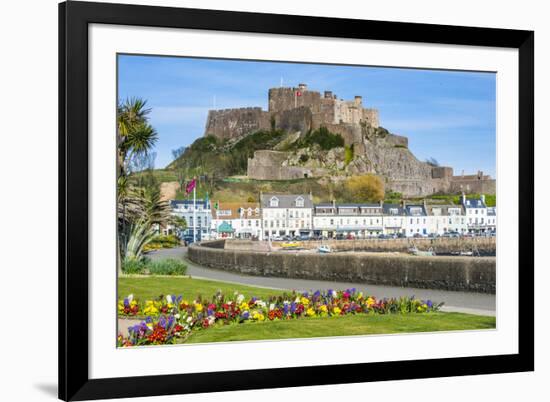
(135, 136)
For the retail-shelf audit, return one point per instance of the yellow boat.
(290, 245)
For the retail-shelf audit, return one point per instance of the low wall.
(475, 274)
(442, 245)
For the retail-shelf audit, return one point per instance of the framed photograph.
(262, 201)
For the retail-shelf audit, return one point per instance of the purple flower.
(126, 302)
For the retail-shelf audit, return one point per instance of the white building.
(356, 220)
(286, 215)
(477, 214)
(393, 219)
(446, 218)
(197, 215)
(416, 220)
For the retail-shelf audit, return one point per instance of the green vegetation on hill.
(321, 137)
(222, 158)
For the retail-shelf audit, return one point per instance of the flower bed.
(171, 319)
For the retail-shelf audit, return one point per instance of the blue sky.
(447, 115)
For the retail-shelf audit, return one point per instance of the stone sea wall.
(473, 274)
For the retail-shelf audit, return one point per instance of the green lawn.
(151, 287)
(342, 326)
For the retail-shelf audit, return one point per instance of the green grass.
(151, 287)
(343, 326)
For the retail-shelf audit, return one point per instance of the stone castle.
(299, 110)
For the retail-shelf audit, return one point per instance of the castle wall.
(233, 123)
(371, 117)
(285, 98)
(476, 185)
(397, 140)
(300, 119)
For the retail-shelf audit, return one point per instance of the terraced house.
(286, 215)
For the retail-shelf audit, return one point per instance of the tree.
(135, 138)
(365, 188)
(182, 171)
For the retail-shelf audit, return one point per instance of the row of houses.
(278, 215)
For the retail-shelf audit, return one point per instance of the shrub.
(349, 154)
(365, 188)
(322, 137)
(134, 265)
(168, 266)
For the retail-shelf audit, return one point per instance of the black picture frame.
(74, 18)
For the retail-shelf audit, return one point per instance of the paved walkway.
(466, 302)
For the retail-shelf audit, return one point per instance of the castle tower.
(358, 101)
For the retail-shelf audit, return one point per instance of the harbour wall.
(472, 274)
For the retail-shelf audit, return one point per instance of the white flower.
(240, 299)
(130, 298)
(271, 306)
(177, 316)
(260, 303)
(189, 319)
(334, 294)
(169, 299)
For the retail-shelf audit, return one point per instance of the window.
(274, 202)
(299, 202)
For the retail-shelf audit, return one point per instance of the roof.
(444, 208)
(387, 208)
(231, 209)
(286, 200)
(188, 203)
(474, 203)
(225, 227)
(409, 208)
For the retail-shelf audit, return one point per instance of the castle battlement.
(292, 108)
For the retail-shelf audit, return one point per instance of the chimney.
(482, 198)
(358, 100)
(463, 198)
(302, 87)
(328, 94)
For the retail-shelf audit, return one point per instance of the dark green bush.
(168, 266)
(134, 265)
(322, 137)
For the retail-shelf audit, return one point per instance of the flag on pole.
(190, 186)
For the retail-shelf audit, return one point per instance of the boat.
(323, 249)
(291, 246)
(415, 251)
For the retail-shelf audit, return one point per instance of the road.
(467, 302)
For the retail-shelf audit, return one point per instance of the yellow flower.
(370, 302)
(244, 306)
(150, 308)
(310, 312)
(305, 301)
(336, 310)
(258, 316)
(198, 307)
(323, 308)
